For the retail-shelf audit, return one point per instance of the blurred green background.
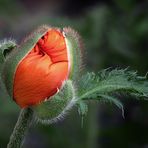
(115, 34)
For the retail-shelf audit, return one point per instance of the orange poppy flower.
(41, 73)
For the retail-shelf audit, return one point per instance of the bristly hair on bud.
(53, 110)
(75, 48)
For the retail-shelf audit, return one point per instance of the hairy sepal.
(57, 106)
(74, 46)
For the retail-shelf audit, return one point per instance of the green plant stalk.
(21, 128)
(93, 126)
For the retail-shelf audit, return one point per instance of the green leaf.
(82, 108)
(107, 82)
(112, 99)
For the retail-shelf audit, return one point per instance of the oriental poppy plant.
(38, 67)
(43, 77)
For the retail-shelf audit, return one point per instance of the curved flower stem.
(21, 127)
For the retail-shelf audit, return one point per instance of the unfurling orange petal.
(41, 73)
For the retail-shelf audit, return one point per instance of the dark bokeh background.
(115, 33)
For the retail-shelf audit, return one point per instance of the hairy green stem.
(21, 127)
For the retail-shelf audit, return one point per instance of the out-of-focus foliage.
(115, 35)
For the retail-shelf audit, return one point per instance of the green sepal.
(75, 46)
(55, 108)
(17, 55)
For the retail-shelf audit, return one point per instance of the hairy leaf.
(104, 85)
(112, 99)
(91, 85)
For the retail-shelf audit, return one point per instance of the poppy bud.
(36, 69)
